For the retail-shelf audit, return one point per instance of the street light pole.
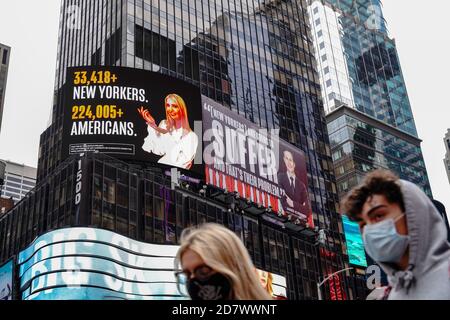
(319, 292)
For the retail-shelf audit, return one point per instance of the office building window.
(113, 47)
(155, 48)
(5, 56)
(9, 178)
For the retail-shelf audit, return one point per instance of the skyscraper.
(447, 154)
(19, 180)
(369, 116)
(253, 57)
(4, 64)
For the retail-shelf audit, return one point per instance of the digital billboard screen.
(95, 264)
(132, 114)
(355, 244)
(241, 157)
(6, 281)
(274, 284)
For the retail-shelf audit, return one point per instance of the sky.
(421, 33)
(420, 29)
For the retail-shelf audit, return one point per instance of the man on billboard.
(173, 139)
(295, 195)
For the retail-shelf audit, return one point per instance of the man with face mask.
(404, 233)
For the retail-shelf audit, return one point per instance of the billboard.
(131, 114)
(6, 281)
(355, 244)
(336, 290)
(274, 284)
(2, 172)
(95, 264)
(241, 157)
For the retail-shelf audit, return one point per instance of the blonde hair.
(184, 115)
(225, 253)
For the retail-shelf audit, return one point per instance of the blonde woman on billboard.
(266, 280)
(216, 266)
(173, 139)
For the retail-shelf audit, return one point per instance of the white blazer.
(177, 150)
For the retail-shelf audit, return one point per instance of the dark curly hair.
(378, 182)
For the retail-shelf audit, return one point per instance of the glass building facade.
(359, 68)
(361, 144)
(359, 65)
(447, 153)
(19, 179)
(4, 64)
(255, 57)
(141, 204)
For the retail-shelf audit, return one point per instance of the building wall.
(447, 154)
(19, 180)
(368, 12)
(2, 173)
(358, 62)
(361, 144)
(256, 57)
(5, 205)
(5, 52)
(141, 205)
(237, 59)
(359, 68)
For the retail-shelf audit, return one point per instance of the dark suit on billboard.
(296, 190)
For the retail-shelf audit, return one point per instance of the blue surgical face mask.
(383, 243)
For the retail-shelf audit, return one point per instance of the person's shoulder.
(190, 138)
(191, 135)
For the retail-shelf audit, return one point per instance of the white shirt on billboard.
(178, 150)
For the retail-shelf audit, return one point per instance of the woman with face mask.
(216, 266)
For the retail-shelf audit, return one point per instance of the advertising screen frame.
(85, 257)
(90, 125)
(243, 158)
(346, 224)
